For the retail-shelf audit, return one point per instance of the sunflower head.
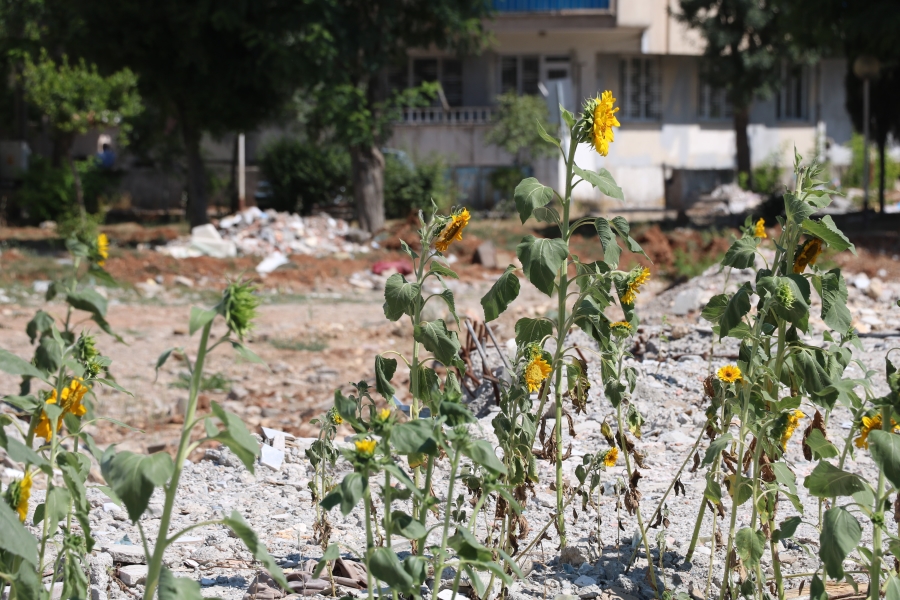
(452, 231)
(384, 414)
(610, 458)
(729, 373)
(759, 230)
(536, 371)
(808, 254)
(597, 122)
(102, 249)
(365, 448)
(638, 277)
(621, 328)
(238, 306)
(335, 416)
(17, 495)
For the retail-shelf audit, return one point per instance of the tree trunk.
(368, 186)
(742, 142)
(197, 199)
(79, 192)
(881, 175)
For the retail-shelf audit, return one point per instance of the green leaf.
(820, 447)
(827, 231)
(738, 306)
(541, 260)
(177, 588)
(623, 229)
(601, 180)
(39, 324)
(892, 588)
(134, 476)
(384, 371)
(532, 330)
(484, 455)
(531, 194)
(715, 308)
(441, 269)
(14, 538)
(199, 318)
(387, 567)
(785, 476)
(832, 289)
(55, 509)
(12, 364)
(112, 384)
(88, 300)
(546, 136)
(611, 250)
(236, 436)
(404, 525)
(333, 552)
(468, 547)
(21, 453)
(789, 527)
(440, 341)
(840, 535)
(885, 449)
(401, 297)
(797, 210)
(247, 354)
(827, 481)
(716, 447)
(742, 254)
(750, 546)
(501, 294)
(414, 437)
(242, 529)
(352, 489)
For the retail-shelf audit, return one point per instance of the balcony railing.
(508, 6)
(463, 115)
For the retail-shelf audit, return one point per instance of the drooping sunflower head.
(792, 421)
(622, 328)
(610, 458)
(638, 277)
(599, 118)
(759, 230)
(867, 425)
(365, 448)
(452, 231)
(17, 495)
(808, 254)
(536, 371)
(72, 395)
(729, 373)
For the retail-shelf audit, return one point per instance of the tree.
(363, 39)
(745, 47)
(216, 67)
(853, 29)
(515, 128)
(76, 98)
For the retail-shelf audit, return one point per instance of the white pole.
(242, 176)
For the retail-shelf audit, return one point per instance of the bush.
(409, 187)
(302, 173)
(48, 193)
(853, 176)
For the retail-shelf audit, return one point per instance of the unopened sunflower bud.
(785, 295)
(239, 304)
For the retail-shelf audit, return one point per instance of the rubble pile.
(254, 232)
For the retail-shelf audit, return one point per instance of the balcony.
(531, 6)
(462, 115)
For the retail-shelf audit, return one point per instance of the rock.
(272, 262)
(126, 555)
(485, 255)
(97, 593)
(876, 289)
(238, 392)
(445, 594)
(191, 564)
(585, 581)
(206, 239)
(585, 568)
(688, 300)
(271, 457)
(861, 282)
(591, 591)
(679, 331)
(565, 597)
(207, 581)
(132, 575)
(571, 555)
(183, 281)
(675, 437)
(101, 564)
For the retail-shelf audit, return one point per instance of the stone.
(183, 281)
(191, 564)
(132, 575)
(585, 568)
(207, 581)
(861, 282)
(585, 581)
(238, 392)
(485, 255)
(571, 555)
(565, 597)
(876, 289)
(591, 591)
(126, 555)
(101, 564)
(676, 437)
(271, 457)
(445, 594)
(688, 300)
(97, 593)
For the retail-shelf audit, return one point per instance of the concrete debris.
(254, 232)
(271, 262)
(736, 199)
(271, 457)
(132, 575)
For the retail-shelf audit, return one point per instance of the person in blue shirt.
(107, 157)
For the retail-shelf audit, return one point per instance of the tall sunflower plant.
(553, 375)
(786, 381)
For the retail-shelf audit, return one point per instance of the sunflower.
(365, 448)
(638, 279)
(602, 116)
(102, 249)
(621, 324)
(17, 495)
(72, 395)
(336, 418)
(869, 424)
(536, 372)
(729, 373)
(759, 231)
(610, 458)
(452, 231)
(384, 414)
(808, 255)
(793, 420)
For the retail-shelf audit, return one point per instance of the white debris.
(207, 240)
(271, 262)
(737, 199)
(271, 457)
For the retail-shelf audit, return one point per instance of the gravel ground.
(674, 352)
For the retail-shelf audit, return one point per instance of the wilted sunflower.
(452, 231)
(17, 495)
(365, 448)
(729, 373)
(759, 230)
(72, 395)
(808, 255)
(637, 280)
(536, 372)
(610, 458)
(793, 420)
(600, 116)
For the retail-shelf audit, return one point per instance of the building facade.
(676, 138)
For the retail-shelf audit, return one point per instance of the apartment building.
(677, 136)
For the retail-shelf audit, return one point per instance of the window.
(639, 84)
(793, 96)
(448, 71)
(520, 74)
(712, 103)
(451, 81)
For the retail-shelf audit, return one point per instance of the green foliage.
(410, 188)
(303, 173)
(517, 126)
(216, 382)
(48, 193)
(853, 176)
